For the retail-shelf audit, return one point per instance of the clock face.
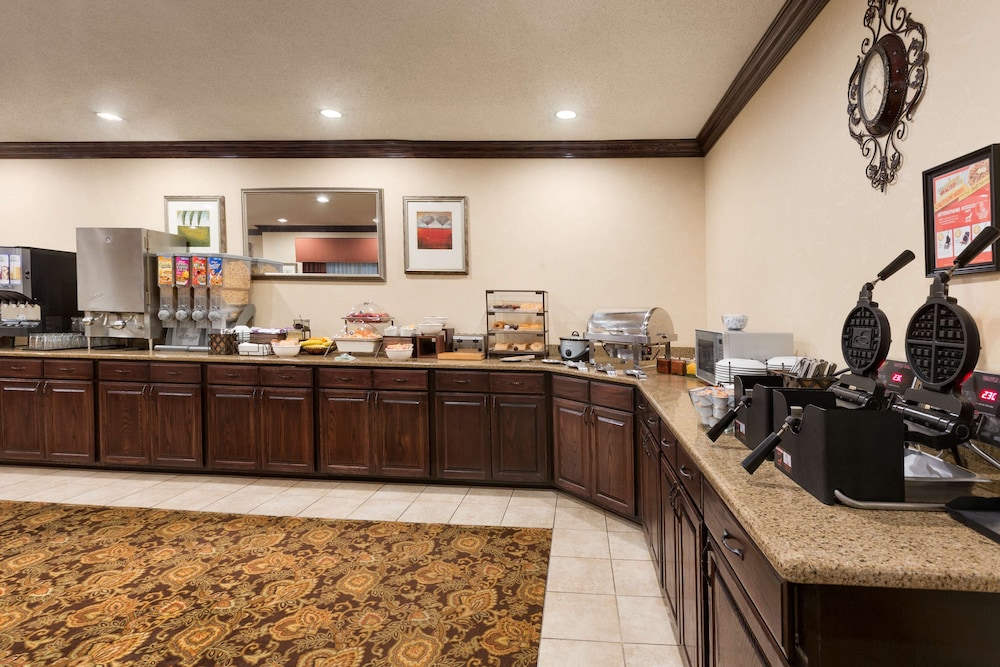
(873, 83)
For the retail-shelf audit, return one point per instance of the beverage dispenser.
(118, 279)
(36, 291)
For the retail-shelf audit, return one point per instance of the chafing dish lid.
(652, 323)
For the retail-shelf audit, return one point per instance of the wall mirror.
(316, 233)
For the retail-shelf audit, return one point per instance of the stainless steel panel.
(116, 267)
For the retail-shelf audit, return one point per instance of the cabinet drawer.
(645, 413)
(126, 371)
(609, 395)
(397, 379)
(21, 368)
(462, 381)
(286, 376)
(231, 374)
(69, 369)
(517, 383)
(690, 476)
(186, 373)
(763, 586)
(668, 444)
(574, 389)
(350, 378)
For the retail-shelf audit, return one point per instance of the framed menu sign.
(958, 204)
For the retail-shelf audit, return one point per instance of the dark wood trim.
(786, 29)
(650, 148)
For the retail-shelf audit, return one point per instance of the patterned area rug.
(86, 586)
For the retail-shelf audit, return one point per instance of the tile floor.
(602, 605)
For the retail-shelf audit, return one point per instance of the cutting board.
(467, 355)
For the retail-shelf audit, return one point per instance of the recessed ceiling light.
(282, 219)
(108, 116)
(322, 199)
(330, 113)
(565, 114)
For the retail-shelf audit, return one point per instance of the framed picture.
(201, 220)
(436, 234)
(958, 204)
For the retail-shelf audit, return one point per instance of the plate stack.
(725, 369)
(783, 364)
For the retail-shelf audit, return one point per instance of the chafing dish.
(639, 334)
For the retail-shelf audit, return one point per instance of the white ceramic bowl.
(285, 350)
(399, 354)
(430, 328)
(440, 319)
(407, 331)
(734, 321)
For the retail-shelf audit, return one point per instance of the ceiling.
(415, 70)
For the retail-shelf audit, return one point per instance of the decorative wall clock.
(885, 87)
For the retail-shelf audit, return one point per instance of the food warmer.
(639, 334)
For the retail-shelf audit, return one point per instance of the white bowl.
(407, 331)
(399, 354)
(285, 350)
(439, 319)
(430, 328)
(734, 321)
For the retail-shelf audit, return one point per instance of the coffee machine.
(116, 274)
(36, 291)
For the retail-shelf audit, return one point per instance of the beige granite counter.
(805, 540)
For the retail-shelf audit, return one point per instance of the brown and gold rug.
(86, 586)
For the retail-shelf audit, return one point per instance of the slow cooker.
(574, 347)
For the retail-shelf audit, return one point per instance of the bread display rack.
(517, 323)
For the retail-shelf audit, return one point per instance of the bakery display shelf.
(516, 307)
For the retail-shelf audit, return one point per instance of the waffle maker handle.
(983, 239)
(721, 425)
(895, 265)
(764, 449)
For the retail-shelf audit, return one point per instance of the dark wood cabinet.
(494, 429)
(48, 410)
(259, 421)
(150, 414)
(593, 441)
(345, 421)
(730, 640)
(402, 434)
(649, 497)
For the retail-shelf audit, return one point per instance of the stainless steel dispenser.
(636, 334)
(117, 280)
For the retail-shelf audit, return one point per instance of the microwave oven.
(713, 346)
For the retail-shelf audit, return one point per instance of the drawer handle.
(66, 370)
(460, 381)
(17, 368)
(343, 379)
(232, 375)
(122, 371)
(400, 380)
(684, 471)
(665, 443)
(725, 543)
(515, 383)
(285, 377)
(651, 420)
(173, 372)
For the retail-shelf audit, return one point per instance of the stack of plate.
(725, 369)
(782, 363)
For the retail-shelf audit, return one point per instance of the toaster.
(475, 342)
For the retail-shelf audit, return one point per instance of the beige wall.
(794, 228)
(593, 233)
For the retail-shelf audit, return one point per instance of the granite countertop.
(806, 541)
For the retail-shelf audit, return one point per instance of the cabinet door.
(571, 446)
(231, 434)
(123, 432)
(402, 434)
(520, 439)
(69, 421)
(21, 434)
(462, 436)
(669, 523)
(649, 495)
(689, 549)
(175, 425)
(613, 438)
(730, 640)
(345, 432)
(287, 443)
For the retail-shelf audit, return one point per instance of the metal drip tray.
(928, 479)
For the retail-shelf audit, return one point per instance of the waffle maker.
(856, 456)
